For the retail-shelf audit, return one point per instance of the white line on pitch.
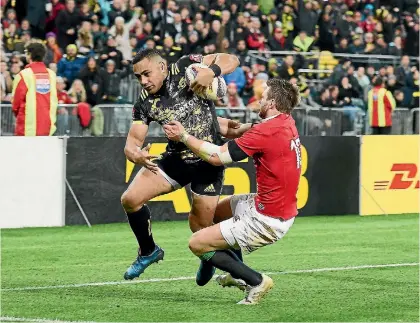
(157, 280)
(23, 319)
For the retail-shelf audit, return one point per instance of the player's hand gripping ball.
(215, 90)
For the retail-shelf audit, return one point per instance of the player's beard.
(263, 111)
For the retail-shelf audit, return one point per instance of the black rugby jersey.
(175, 101)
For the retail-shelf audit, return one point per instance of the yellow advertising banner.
(389, 175)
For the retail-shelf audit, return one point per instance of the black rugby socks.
(227, 261)
(142, 228)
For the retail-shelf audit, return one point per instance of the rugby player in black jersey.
(166, 97)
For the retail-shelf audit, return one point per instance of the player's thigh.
(206, 186)
(226, 207)
(145, 186)
(208, 239)
(223, 210)
(202, 211)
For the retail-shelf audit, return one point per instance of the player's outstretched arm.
(213, 154)
(133, 150)
(227, 62)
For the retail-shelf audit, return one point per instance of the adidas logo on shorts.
(210, 189)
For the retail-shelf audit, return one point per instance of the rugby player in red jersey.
(251, 221)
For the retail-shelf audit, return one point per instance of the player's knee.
(195, 244)
(130, 202)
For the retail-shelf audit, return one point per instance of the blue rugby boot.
(205, 273)
(142, 262)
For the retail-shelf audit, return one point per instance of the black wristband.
(216, 70)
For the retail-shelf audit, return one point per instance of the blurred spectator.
(381, 103)
(382, 47)
(112, 80)
(14, 70)
(288, 68)
(412, 30)
(121, 32)
(339, 71)
(237, 77)
(308, 18)
(10, 19)
(63, 97)
(403, 72)
(77, 92)
(232, 98)
(25, 26)
(346, 25)
(6, 82)
(117, 11)
(93, 79)
(67, 22)
(254, 101)
(36, 16)
(302, 42)
(170, 52)
(110, 52)
(70, 65)
(400, 101)
(370, 72)
(84, 40)
(343, 46)
(54, 53)
(395, 47)
(53, 67)
(11, 37)
(306, 98)
(273, 68)
(255, 39)
(242, 53)
(57, 6)
(278, 41)
(357, 46)
(99, 37)
(346, 91)
(391, 83)
(362, 79)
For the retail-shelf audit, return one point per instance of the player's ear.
(162, 66)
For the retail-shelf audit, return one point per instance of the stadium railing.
(415, 117)
(378, 60)
(116, 120)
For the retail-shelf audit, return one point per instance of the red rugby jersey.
(275, 146)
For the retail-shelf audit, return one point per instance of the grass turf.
(73, 255)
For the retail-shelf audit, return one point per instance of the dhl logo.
(405, 177)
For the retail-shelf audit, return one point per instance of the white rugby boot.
(255, 294)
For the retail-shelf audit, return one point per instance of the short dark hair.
(146, 53)
(378, 81)
(37, 51)
(285, 95)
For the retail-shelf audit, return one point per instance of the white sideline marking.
(23, 319)
(157, 280)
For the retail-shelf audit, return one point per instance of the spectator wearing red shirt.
(57, 6)
(255, 39)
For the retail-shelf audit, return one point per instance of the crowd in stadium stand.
(90, 44)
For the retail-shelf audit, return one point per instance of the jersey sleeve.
(252, 141)
(181, 65)
(140, 115)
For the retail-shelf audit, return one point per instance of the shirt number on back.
(295, 145)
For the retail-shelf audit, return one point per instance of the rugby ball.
(216, 90)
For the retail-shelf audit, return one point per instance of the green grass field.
(61, 257)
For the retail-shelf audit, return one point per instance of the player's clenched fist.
(144, 159)
(174, 130)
